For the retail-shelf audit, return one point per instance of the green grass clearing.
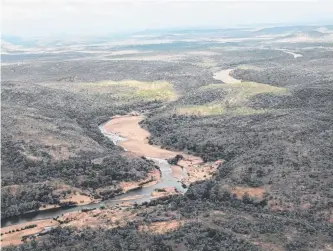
(217, 109)
(248, 67)
(126, 90)
(246, 89)
(202, 110)
(235, 100)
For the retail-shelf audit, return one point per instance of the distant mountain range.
(296, 33)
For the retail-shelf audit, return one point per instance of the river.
(225, 77)
(296, 55)
(136, 141)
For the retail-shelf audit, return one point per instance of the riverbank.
(225, 77)
(14, 234)
(78, 199)
(168, 180)
(294, 54)
(135, 140)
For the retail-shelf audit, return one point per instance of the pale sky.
(28, 18)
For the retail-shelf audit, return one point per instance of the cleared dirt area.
(251, 191)
(15, 237)
(107, 218)
(198, 171)
(162, 227)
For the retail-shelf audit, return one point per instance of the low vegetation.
(126, 91)
(52, 135)
(226, 99)
(272, 191)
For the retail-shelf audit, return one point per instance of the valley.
(206, 140)
(165, 181)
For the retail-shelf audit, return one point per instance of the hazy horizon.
(35, 18)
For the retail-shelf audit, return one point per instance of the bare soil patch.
(197, 170)
(15, 237)
(162, 227)
(151, 179)
(105, 218)
(251, 191)
(167, 191)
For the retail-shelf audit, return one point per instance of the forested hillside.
(269, 132)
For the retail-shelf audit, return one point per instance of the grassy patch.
(243, 110)
(202, 110)
(248, 67)
(246, 89)
(160, 93)
(126, 90)
(217, 109)
(234, 102)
